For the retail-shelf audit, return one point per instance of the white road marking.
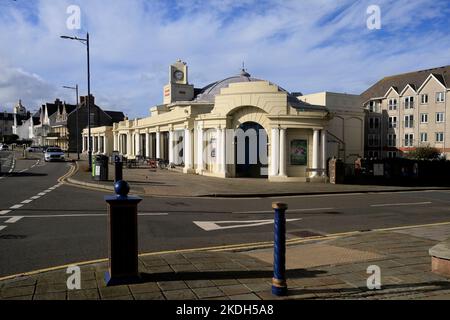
(2, 227)
(41, 194)
(17, 206)
(35, 197)
(400, 204)
(214, 225)
(13, 219)
(27, 201)
(288, 211)
(4, 212)
(25, 170)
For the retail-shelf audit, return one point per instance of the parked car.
(54, 154)
(34, 149)
(4, 147)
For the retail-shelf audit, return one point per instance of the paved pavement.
(340, 271)
(145, 181)
(58, 224)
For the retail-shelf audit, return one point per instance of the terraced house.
(407, 111)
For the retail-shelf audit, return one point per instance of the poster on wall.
(299, 152)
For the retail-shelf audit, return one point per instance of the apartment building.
(407, 111)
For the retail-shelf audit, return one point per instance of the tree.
(10, 139)
(428, 153)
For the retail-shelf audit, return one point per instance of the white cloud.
(301, 45)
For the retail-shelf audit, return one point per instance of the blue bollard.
(279, 286)
(123, 236)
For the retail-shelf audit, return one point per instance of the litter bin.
(101, 168)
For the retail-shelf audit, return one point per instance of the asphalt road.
(44, 223)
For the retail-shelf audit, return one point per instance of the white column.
(105, 145)
(219, 150)
(324, 145)
(158, 145)
(187, 152)
(129, 144)
(223, 151)
(94, 144)
(171, 147)
(283, 172)
(200, 160)
(83, 143)
(138, 143)
(315, 158)
(147, 145)
(114, 141)
(274, 152)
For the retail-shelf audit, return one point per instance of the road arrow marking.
(4, 212)
(2, 227)
(214, 225)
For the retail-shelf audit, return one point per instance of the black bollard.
(123, 236)
(118, 164)
(279, 286)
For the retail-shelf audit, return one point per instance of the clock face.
(179, 75)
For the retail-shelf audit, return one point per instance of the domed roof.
(208, 93)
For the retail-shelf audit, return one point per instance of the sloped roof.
(116, 116)
(400, 81)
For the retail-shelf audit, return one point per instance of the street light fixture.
(86, 43)
(78, 130)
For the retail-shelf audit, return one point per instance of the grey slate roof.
(400, 81)
(116, 116)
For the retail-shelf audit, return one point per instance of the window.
(409, 102)
(374, 140)
(392, 154)
(409, 140)
(439, 137)
(392, 104)
(392, 122)
(424, 137)
(373, 154)
(409, 121)
(424, 98)
(374, 123)
(392, 140)
(439, 117)
(424, 118)
(372, 106)
(440, 97)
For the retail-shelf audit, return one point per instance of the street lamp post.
(86, 42)
(78, 130)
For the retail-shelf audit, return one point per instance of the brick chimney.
(83, 99)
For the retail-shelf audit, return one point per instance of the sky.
(303, 46)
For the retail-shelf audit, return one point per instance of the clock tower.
(178, 88)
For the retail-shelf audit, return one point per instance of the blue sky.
(306, 46)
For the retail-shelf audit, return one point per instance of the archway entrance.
(251, 152)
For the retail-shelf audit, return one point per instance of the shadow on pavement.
(224, 275)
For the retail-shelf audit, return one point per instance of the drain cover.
(12, 237)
